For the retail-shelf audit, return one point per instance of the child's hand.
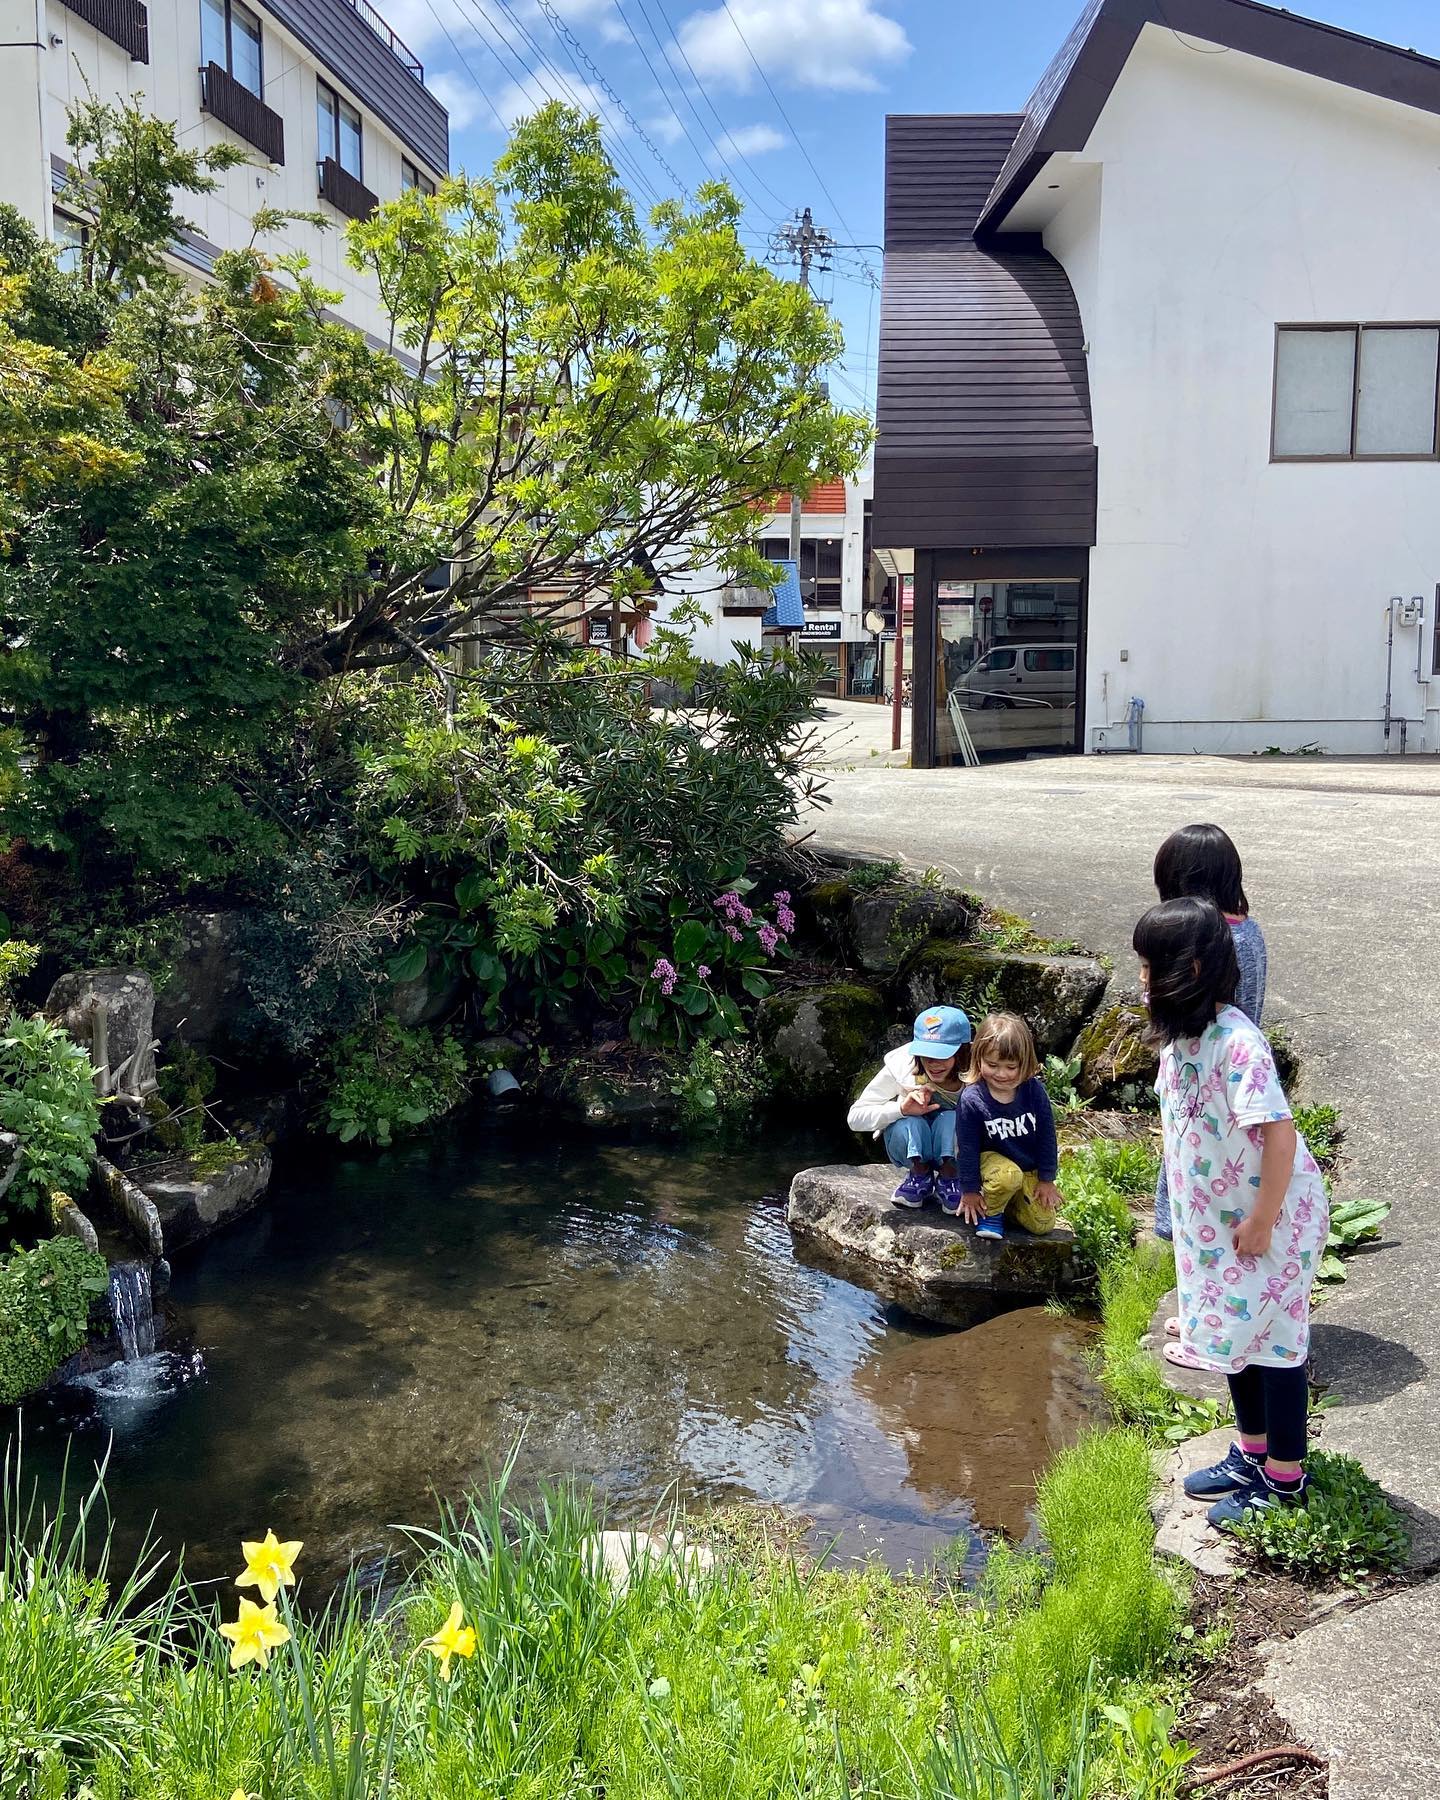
(1049, 1196)
(1252, 1236)
(917, 1103)
(972, 1208)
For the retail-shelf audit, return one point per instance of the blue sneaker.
(916, 1190)
(1259, 1496)
(1236, 1469)
(991, 1227)
(949, 1193)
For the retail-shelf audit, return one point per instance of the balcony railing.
(344, 192)
(234, 105)
(124, 22)
(398, 48)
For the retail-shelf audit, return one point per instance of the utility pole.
(805, 243)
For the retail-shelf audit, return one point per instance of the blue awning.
(787, 611)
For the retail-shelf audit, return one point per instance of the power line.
(704, 95)
(488, 25)
(462, 58)
(563, 31)
(769, 88)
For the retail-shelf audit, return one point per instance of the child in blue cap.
(911, 1103)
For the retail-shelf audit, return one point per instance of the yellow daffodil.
(269, 1566)
(254, 1634)
(452, 1639)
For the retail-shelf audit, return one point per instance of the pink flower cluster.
(784, 917)
(666, 974)
(732, 907)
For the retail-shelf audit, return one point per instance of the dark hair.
(1200, 861)
(1193, 969)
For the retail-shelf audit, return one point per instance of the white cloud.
(665, 128)
(843, 44)
(749, 140)
(457, 94)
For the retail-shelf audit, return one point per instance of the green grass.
(1098, 1181)
(1131, 1288)
(768, 1677)
(1321, 1129)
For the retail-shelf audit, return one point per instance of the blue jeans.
(1164, 1223)
(929, 1136)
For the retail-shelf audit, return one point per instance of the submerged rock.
(933, 1266)
(614, 1099)
(191, 1206)
(817, 1040)
(1055, 994)
(1113, 1052)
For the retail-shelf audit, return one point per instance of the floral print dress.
(1216, 1091)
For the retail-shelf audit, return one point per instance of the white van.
(1021, 675)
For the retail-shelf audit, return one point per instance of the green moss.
(820, 1039)
(1113, 1051)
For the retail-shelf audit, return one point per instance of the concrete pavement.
(1342, 868)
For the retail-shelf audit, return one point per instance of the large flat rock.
(933, 1266)
(192, 1206)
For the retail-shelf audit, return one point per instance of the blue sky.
(680, 88)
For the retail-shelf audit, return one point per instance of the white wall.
(170, 87)
(1250, 596)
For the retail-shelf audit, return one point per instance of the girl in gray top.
(1200, 862)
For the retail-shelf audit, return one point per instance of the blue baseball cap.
(939, 1031)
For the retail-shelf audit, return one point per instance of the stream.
(384, 1332)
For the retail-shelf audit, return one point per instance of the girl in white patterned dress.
(1248, 1201)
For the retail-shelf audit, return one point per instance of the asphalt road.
(1342, 867)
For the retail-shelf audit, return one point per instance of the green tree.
(270, 503)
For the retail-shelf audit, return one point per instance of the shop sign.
(599, 631)
(821, 628)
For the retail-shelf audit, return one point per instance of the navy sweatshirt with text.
(1023, 1129)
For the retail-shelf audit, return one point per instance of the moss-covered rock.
(879, 923)
(1056, 994)
(933, 1266)
(818, 1040)
(617, 1099)
(1113, 1052)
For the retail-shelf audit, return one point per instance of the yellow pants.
(1007, 1188)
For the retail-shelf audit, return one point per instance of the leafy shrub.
(722, 1085)
(1346, 1530)
(386, 1079)
(1128, 1166)
(1352, 1222)
(874, 877)
(48, 1099)
(45, 1296)
(17, 959)
(1321, 1129)
(683, 996)
(1059, 1077)
(1096, 1210)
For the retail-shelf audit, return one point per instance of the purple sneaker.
(949, 1193)
(917, 1189)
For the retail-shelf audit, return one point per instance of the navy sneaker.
(1236, 1469)
(917, 1189)
(949, 1193)
(991, 1227)
(1259, 1496)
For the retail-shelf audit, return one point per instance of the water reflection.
(380, 1336)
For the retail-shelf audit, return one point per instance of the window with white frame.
(411, 177)
(71, 238)
(1355, 392)
(340, 131)
(230, 38)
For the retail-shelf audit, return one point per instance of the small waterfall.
(132, 1310)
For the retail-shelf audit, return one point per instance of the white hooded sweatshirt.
(878, 1107)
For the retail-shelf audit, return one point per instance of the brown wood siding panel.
(340, 40)
(344, 192)
(234, 105)
(983, 408)
(1070, 95)
(124, 22)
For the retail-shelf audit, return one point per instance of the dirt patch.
(1226, 1717)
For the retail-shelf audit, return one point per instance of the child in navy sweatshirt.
(1006, 1152)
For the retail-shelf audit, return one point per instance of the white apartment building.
(330, 105)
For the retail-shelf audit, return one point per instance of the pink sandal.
(1172, 1328)
(1182, 1358)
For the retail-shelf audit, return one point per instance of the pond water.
(380, 1335)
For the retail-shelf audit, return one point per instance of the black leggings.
(1272, 1403)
